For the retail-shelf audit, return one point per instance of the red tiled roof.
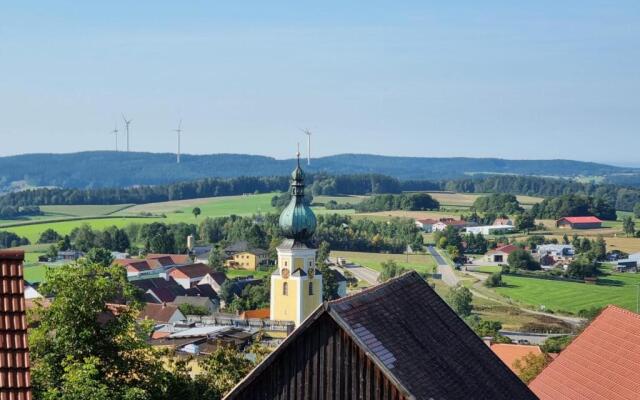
(509, 353)
(427, 221)
(15, 378)
(178, 259)
(603, 362)
(261, 313)
(508, 248)
(190, 271)
(581, 220)
(138, 266)
(158, 312)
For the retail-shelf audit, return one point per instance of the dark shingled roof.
(15, 378)
(418, 341)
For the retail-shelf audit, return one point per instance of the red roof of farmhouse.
(507, 248)
(581, 220)
(603, 362)
(15, 379)
(510, 353)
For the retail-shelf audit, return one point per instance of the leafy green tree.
(217, 258)
(556, 344)
(49, 236)
(565, 239)
(65, 243)
(636, 210)
(599, 248)
(81, 344)
(390, 269)
(498, 203)
(460, 299)
(52, 252)
(531, 365)
(196, 211)
(221, 371)
(524, 221)
(191, 309)
(329, 283)
(494, 280)
(522, 259)
(99, 256)
(628, 226)
(83, 237)
(581, 268)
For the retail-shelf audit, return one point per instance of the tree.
(599, 248)
(217, 258)
(81, 345)
(83, 237)
(531, 365)
(556, 344)
(565, 239)
(390, 269)
(522, 259)
(191, 309)
(524, 221)
(221, 371)
(581, 268)
(636, 210)
(49, 236)
(99, 256)
(329, 283)
(460, 299)
(498, 203)
(494, 280)
(628, 226)
(52, 252)
(196, 211)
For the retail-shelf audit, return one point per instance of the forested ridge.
(622, 198)
(108, 169)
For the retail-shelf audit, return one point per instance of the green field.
(418, 262)
(616, 288)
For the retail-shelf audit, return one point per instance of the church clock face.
(285, 273)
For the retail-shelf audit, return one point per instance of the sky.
(509, 79)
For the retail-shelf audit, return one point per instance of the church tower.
(296, 285)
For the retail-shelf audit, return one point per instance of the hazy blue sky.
(513, 79)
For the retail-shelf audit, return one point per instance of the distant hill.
(120, 169)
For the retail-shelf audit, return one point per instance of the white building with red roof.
(500, 254)
(589, 222)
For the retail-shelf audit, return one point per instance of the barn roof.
(603, 362)
(417, 341)
(581, 220)
(15, 380)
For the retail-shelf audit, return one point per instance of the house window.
(285, 289)
(310, 288)
(311, 263)
(285, 263)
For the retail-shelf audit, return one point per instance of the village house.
(579, 223)
(601, 363)
(200, 254)
(500, 254)
(187, 275)
(490, 229)
(15, 374)
(161, 313)
(551, 255)
(443, 223)
(249, 259)
(383, 343)
(214, 279)
(503, 221)
(426, 224)
(629, 264)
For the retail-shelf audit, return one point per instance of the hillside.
(111, 169)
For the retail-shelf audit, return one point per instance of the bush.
(556, 344)
(494, 280)
(522, 259)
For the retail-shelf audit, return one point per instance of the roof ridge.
(375, 288)
(617, 308)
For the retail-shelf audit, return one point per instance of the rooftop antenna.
(308, 133)
(115, 133)
(179, 132)
(126, 123)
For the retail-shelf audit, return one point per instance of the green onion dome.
(297, 220)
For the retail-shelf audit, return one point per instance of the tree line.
(620, 197)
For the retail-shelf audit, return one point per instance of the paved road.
(531, 337)
(444, 269)
(363, 273)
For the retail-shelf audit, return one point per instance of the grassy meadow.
(418, 262)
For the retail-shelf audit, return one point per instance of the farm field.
(619, 289)
(339, 199)
(452, 199)
(418, 262)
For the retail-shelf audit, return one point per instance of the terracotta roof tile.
(603, 362)
(158, 312)
(191, 271)
(15, 378)
(509, 353)
(177, 259)
(581, 220)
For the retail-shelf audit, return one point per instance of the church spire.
(298, 220)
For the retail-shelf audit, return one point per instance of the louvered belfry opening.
(15, 380)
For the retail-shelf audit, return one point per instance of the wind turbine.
(179, 132)
(115, 133)
(308, 133)
(126, 123)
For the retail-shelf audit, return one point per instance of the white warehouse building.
(490, 229)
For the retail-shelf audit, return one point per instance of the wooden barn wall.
(322, 364)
